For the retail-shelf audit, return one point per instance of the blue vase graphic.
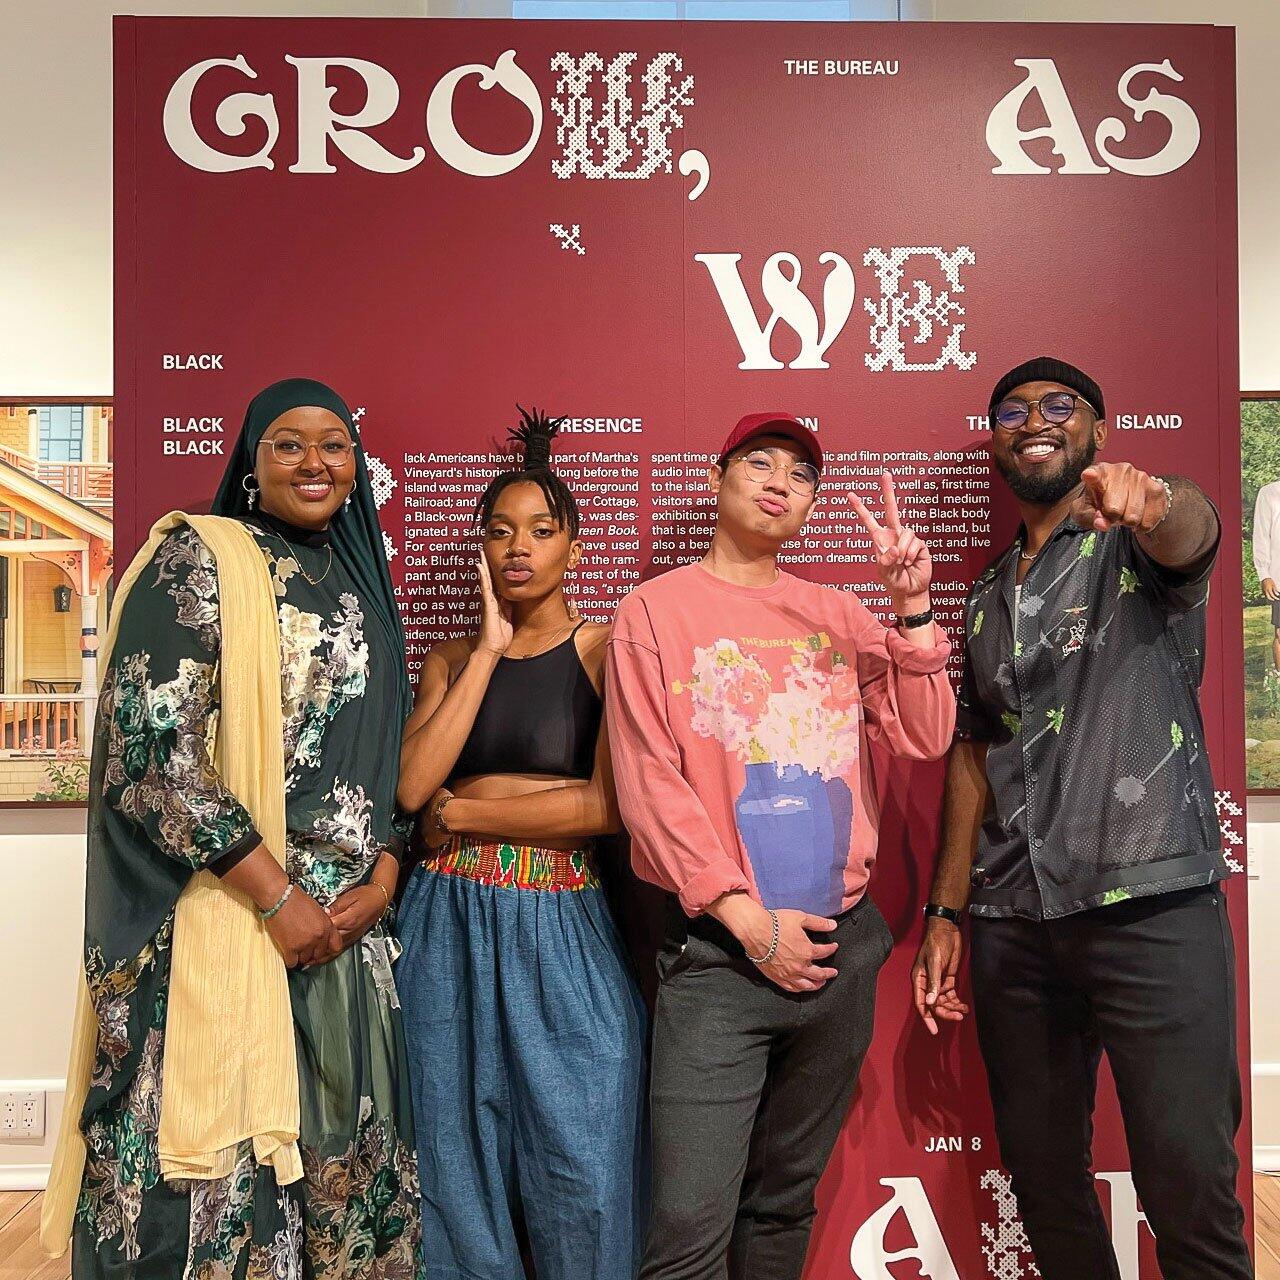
(796, 826)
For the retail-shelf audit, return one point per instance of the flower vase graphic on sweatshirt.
(798, 738)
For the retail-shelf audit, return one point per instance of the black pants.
(750, 1086)
(1151, 982)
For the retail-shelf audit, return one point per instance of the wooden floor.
(21, 1258)
(1266, 1208)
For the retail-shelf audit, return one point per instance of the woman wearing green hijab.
(161, 813)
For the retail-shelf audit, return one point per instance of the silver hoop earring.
(346, 502)
(250, 489)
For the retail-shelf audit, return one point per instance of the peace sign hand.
(902, 559)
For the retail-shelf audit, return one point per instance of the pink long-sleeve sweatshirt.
(739, 719)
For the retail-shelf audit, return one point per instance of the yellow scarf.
(230, 1061)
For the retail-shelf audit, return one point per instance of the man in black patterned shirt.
(1079, 827)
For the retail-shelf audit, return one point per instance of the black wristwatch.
(932, 909)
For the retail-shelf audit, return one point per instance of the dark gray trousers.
(750, 1086)
(1150, 982)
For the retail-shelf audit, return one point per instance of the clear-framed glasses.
(289, 451)
(1055, 407)
(761, 465)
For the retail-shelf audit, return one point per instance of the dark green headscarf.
(354, 530)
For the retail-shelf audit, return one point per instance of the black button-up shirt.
(1100, 783)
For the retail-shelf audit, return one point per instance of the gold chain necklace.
(315, 582)
(520, 657)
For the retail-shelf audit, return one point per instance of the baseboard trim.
(24, 1177)
(1266, 1159)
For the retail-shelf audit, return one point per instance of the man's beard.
(1045, 490)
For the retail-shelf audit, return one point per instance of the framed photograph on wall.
(56, 495)
(1260, 493)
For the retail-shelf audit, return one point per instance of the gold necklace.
(520, 657)
(315, 582)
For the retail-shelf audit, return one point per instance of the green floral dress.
(159, 813)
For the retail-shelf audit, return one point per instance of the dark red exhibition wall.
(653, 228)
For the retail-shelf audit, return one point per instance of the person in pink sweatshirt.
(741, 704)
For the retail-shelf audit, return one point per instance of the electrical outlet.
(21, 1115)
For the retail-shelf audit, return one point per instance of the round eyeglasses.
(802, 477)
(289, 451)
(1055, 407)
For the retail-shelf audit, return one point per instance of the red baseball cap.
(773, 424)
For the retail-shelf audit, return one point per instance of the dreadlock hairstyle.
(534, 435)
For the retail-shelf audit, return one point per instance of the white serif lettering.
(870, 1258)
(788, 302)
(233, 111)
(319, 124)
(1007, 140)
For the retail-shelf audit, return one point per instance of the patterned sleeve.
(160, 705)
(1177, 591)
(974, 721)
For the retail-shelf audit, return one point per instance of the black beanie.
(1047, 369)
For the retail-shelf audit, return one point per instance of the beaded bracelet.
(280, 901)
(773, 942)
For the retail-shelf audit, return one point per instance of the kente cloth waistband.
(515, 866)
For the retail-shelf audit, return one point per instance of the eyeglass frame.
(777, 466)
(1074, 396)
(307, 447)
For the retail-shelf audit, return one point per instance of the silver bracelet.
(280, 901)
(773, 942)
(1168, 504)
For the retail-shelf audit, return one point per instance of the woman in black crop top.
(525, 1027)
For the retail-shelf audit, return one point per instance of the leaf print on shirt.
(1129, 583)
(1031, 604)
(1130, 790)
(1112, 896)
(324, 667)
(1056, 717)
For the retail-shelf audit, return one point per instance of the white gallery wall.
(55, 339)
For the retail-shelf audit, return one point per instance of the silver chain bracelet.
(773, 942)
(1168, 504)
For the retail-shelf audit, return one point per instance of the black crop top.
(539, 715)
